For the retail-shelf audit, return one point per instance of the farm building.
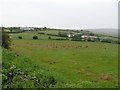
(26, 28)
(70, 35)
(89, 38)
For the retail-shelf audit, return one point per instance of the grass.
(81, 64)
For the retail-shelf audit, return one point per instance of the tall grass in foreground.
(21, 72)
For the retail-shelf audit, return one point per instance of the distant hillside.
(107, 31)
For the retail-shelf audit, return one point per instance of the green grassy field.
(84, 64)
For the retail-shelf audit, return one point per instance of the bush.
(61, 39)
(117, 42)
(91, 40)
(35, 37)
(62, 34)
(44, 28)
(77, 38)
(41, 33)
(5, 40)
(49, 34)
(91, 34)
(49, 37)
(20, 37)
(107, 40)
(54, 35)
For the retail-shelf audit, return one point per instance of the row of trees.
(17, 29)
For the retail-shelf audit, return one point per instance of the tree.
(35, 37)
(62, 34)
(11, 29)
(44, 28)
(91, 34)
(77, 38)
(5, 40)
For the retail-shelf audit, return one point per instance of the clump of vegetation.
(49, 34)
(41, 33)
(91, 40)
(117, 42)
(49, 37)
(44, 28)
(62, 34)
(35, 37)
(60, 39)
(21, 72)
(107, 40)
(20, 37)
(76, 38)
(5, 40)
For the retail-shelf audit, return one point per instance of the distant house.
(26, 28)
(86, 37)
(93, 37)
(70, 35)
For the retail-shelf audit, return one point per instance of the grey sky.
(60, 13)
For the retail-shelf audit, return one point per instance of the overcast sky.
(60, 13)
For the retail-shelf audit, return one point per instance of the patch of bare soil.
(84, 71)
(51, 62)
(105, 77)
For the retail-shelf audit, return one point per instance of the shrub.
(5, 40)
(49, 34)
(35, 37)
(62, 34)
(91, 40)
(54, 35)
(49, 37)
(41, 33)
(107, 40)
(61, 39)
(20, 37)
(77, 38)
(44, 28)
(91, 34)
(117, 42)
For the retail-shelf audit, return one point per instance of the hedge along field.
(91, 64)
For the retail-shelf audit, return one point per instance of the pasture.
(84, 64)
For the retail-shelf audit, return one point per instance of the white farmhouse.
(69, 35)
(26, 28)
